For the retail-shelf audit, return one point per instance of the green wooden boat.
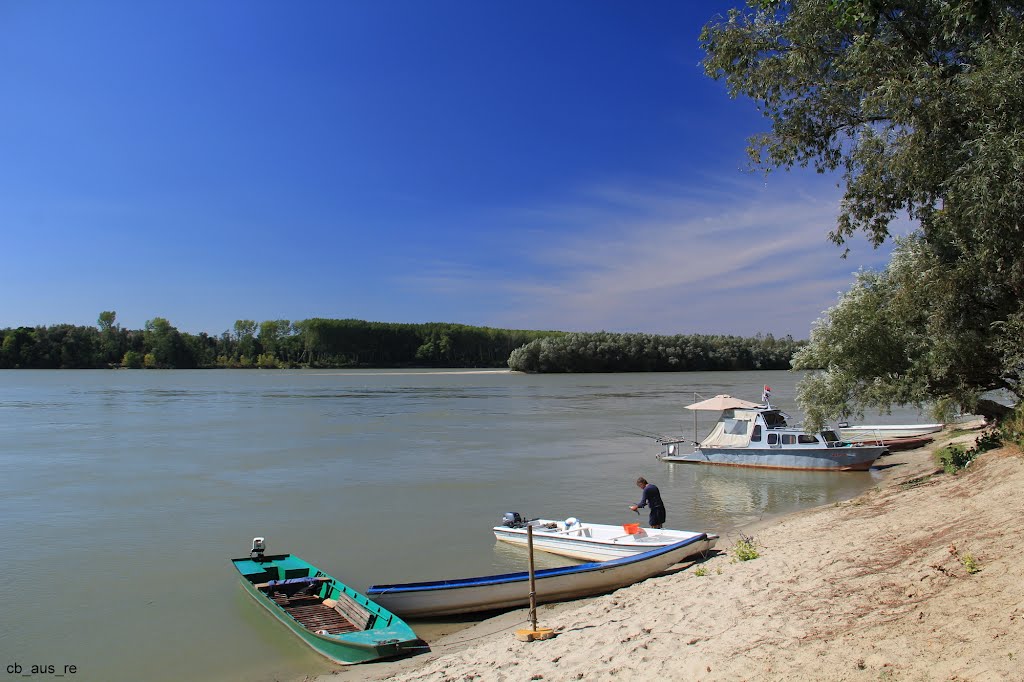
(326, 614)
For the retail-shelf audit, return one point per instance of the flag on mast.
(767, 393)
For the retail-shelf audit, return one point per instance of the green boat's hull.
(387, 637)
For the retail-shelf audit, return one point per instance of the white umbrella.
(722, 402)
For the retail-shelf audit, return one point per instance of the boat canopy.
(721, 402)
(732, 430)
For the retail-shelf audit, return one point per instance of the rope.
(471, 639)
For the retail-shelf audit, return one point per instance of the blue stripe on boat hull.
(490, 593)
(525, 575)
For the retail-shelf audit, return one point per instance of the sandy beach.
(875, 588)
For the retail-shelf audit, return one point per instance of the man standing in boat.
(651, 496)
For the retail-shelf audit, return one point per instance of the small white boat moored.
(887, 431)
(595, 541)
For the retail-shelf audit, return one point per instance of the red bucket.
(631, 528)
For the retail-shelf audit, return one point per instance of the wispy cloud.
(742, 258)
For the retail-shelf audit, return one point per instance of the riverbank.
(878, 587)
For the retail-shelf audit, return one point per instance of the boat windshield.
(830, 436)
(774, 419)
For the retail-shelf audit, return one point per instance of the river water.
(124, 493)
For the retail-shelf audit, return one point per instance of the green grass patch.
(700, 572)
(971, 564)
(955, 457)
(745, 549)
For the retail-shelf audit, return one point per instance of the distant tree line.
(606, 352)
(321, 342)
(334, 343)
(269, 344)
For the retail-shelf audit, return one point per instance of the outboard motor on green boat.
(259, 546)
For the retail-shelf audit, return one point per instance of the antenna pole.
(694, 418)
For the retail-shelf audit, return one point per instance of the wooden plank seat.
(353, 611)
(313, 614)
(333, 616)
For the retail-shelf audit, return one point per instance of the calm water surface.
(124, 493)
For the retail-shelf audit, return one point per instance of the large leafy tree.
(891, 339)
(110, 346)
(245, 331)
(164, 342)
(919, 107)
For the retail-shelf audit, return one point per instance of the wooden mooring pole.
(534, 632)
(533, 581)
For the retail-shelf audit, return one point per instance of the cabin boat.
(512, 590)
(761, 436)
(329, 616)
(594, 541)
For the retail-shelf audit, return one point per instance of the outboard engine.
(512, 520)
(259, 546)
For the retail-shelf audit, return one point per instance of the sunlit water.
(124, 493)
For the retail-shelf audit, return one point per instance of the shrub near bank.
(1012, 428)
(745, 549)
(954, 457)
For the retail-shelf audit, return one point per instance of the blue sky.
(535, 165)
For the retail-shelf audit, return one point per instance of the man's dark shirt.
(652, 496)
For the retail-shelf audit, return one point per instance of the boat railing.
(676, 441)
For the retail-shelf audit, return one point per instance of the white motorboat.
(887, 431)
(512, 590)
(595, 541)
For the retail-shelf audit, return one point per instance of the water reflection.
(733, 496)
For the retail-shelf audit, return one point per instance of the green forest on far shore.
(325, 343)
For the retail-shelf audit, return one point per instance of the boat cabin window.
(830, 436)
(756, 436)
(806, 438)
(735, 427)
(774, 420)
(788, 438)
(773, 439)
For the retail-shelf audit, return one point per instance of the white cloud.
(743, 258)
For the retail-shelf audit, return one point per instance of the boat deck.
(312, 613)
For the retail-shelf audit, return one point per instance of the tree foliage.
(888, 341)
(433, 344)
(279, 343)
(319, 342)
(919, 105)
(607, 352)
